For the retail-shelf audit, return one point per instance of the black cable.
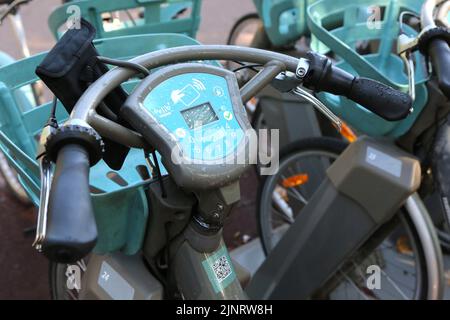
(52, 121)
(239, 62)
(158, 171)
(248, 66)
(53, 109)
(124, 64)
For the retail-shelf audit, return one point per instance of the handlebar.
(434, 42)
(71, 229)
(377, 97)
(439, 53)
(71, 232)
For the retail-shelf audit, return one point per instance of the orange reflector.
(348, 133)
(402, 245)
(295, 181)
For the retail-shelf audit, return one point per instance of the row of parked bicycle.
(134, 171)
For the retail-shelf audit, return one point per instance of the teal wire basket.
(119, 197)
(339, 25)
(152, 16)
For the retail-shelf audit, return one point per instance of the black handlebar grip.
(439, 53)
(71, 228)
(379, 98)
(388, 103)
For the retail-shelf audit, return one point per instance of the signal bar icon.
(198, 85)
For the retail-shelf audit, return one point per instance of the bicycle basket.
(379, 32)
(119, 197)
(129, 17)
(284, 20)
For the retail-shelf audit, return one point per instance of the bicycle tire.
(12, 181)
(336, 147)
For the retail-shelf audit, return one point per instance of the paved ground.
(23, 272)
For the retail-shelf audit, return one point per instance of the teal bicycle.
(112, 19)
(424, 133)
(138, 230)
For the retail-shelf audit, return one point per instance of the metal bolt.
(301, 72)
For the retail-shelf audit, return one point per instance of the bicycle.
(166, 21)
(281, 26)
(188, 206)
(283, 196)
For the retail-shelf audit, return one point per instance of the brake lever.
(405, 47)
(46, 178)
(290, 82)
(46, 171)
(302, 93)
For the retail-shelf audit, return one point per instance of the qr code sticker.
(221, 268)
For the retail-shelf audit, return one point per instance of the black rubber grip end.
(71, 228)
(386, 102)
(439, 52)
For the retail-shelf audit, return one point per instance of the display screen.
(199, 115)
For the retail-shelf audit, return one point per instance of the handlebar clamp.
(318, 66)
(430, 34)
(81, 134)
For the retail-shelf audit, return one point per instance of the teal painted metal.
(384, 65)
(284, 20)
(160, 16)
(24, 96)
(5, 59)
(121, 210)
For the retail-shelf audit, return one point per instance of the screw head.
(301, 72)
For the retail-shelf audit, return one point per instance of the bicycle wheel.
(12, 181)
(396, 247)
(66, 280)
(248, 31)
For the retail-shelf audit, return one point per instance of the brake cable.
(125, 64)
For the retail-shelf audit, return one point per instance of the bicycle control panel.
(194, 116)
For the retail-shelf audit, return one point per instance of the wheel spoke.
(394, 285)
(350, 281)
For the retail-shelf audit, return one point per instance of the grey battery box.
(377, 175)
(119, 277)
(364, 188)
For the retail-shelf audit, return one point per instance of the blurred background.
(23, 271)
